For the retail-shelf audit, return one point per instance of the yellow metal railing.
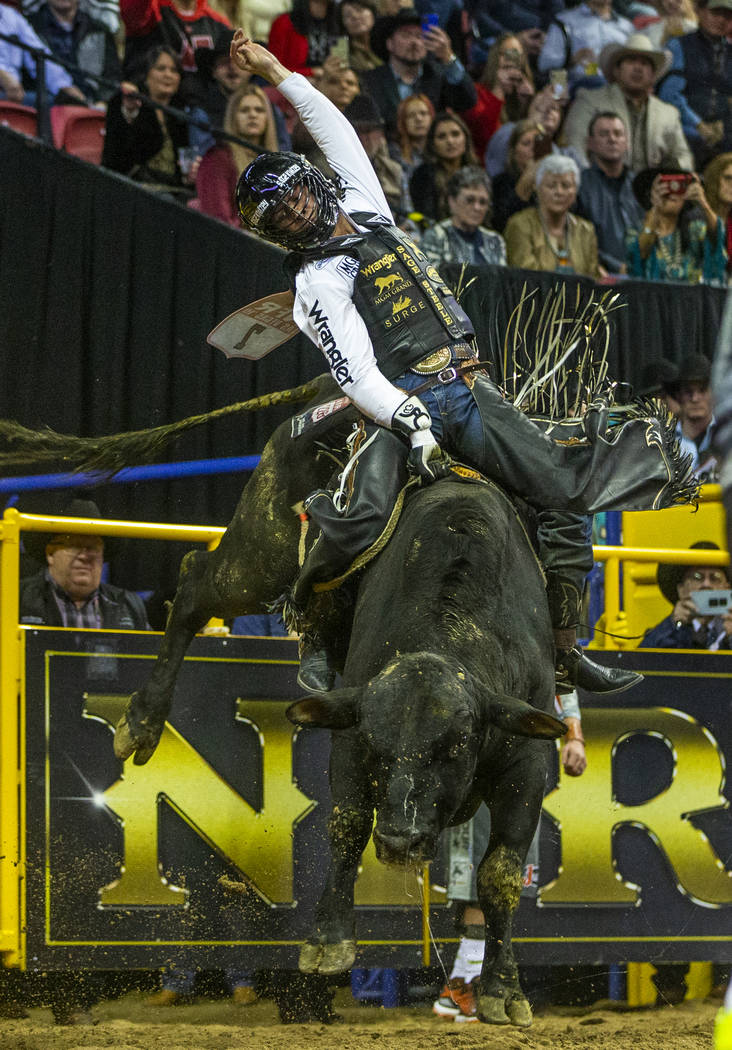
(12, 728)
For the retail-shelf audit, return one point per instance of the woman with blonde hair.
(718, 184)
(248, 116)
(504, 91)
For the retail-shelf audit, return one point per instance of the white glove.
(410, 417)
(427, 460)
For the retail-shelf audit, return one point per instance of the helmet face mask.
(284, 198)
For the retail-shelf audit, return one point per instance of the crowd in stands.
(604, 128)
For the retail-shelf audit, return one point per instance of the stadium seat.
(79, 131)
(20, 118)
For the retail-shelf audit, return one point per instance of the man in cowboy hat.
(700, 81)
(415, 63)
(696, 426)
(69, 592)
(632, 70)
(684, 627)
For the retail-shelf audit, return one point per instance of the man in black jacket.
(70, 592)
(416, 63)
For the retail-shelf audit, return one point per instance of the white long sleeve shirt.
(324, 308)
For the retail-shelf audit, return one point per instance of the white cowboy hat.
(636, 44)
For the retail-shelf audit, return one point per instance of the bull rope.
(113, 452)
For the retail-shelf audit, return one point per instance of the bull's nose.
(411, 847)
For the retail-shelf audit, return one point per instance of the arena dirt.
(127, 1024)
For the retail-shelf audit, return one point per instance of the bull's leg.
(515, 810)
(332, 947)
(141, 726)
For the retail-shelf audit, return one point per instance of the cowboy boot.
(572, 665)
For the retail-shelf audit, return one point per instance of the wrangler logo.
(382, 283)
(338, 363)
(400, 304)
(384, 263)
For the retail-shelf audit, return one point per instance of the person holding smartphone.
(685, 587)
(675, 243)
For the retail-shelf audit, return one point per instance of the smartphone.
(558, 81)
(542, 146)
(676, 184)
(340, 49)
(711, 603)
(430, 21)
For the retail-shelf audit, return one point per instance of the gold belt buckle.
(434, 362)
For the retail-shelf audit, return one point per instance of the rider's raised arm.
(330, 129)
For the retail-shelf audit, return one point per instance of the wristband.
(411, 416)
(574, 730)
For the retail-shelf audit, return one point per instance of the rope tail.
(109, 454)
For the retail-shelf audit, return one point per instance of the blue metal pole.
(153, 472)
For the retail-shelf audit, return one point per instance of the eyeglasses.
(713, 576)
(472, 198)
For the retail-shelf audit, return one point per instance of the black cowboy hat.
(657, 377)
(644, 180)
(363, 114)
(206, 56)
(385, 27)
(695, 368)
(35, 543)
(670, 576)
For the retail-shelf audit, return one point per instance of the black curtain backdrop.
(107, 295)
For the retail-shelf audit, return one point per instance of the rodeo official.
(401, 348)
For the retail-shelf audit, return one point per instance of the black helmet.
(263, 188)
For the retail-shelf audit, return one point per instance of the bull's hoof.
(142, 745)
(519, 1013)
(327, 959)
(492, 1010)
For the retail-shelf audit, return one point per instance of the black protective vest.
(408, 309)
(708, 73)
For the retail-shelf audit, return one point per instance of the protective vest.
(708, 73)
(408, 309)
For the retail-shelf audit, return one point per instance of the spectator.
(546, 110)
(528, 20)
(105, 12)
(302, 38)
(249, 116)
(674, 244)
(254, 16)
(14, 62)
(180, 25)
(414, 116)
(718, 185)
(462, 238)
(415, 64)
(672, 18)
(448, 148)
(696, 423)
(69, 592)
(369, 125)
(357, 19)
(606, 195)
(504, 91)
(514, 187)
(549, 237)
(339, 84)
(700, 81)
(73, 36)
(656, 379)
(684, 628)
(141, 141)
(632, 70)
(576, 38)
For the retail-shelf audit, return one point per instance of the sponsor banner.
(256, 329)
(124, 863)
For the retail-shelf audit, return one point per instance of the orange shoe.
(244, 995)
(457, 999)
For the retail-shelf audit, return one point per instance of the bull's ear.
(516, 716)
(339, 709)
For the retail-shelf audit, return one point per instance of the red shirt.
(484, 118)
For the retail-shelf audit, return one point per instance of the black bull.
(450, 657)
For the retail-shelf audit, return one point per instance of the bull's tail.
(109, 454)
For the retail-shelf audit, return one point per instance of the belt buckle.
(447, 375)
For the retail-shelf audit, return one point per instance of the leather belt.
(436, 362)
(447, 375)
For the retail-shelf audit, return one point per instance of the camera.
(712, 603)
(676, 184)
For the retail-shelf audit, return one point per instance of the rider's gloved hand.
(411, 417)
(427, 460)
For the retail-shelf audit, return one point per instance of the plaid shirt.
(88, 615)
